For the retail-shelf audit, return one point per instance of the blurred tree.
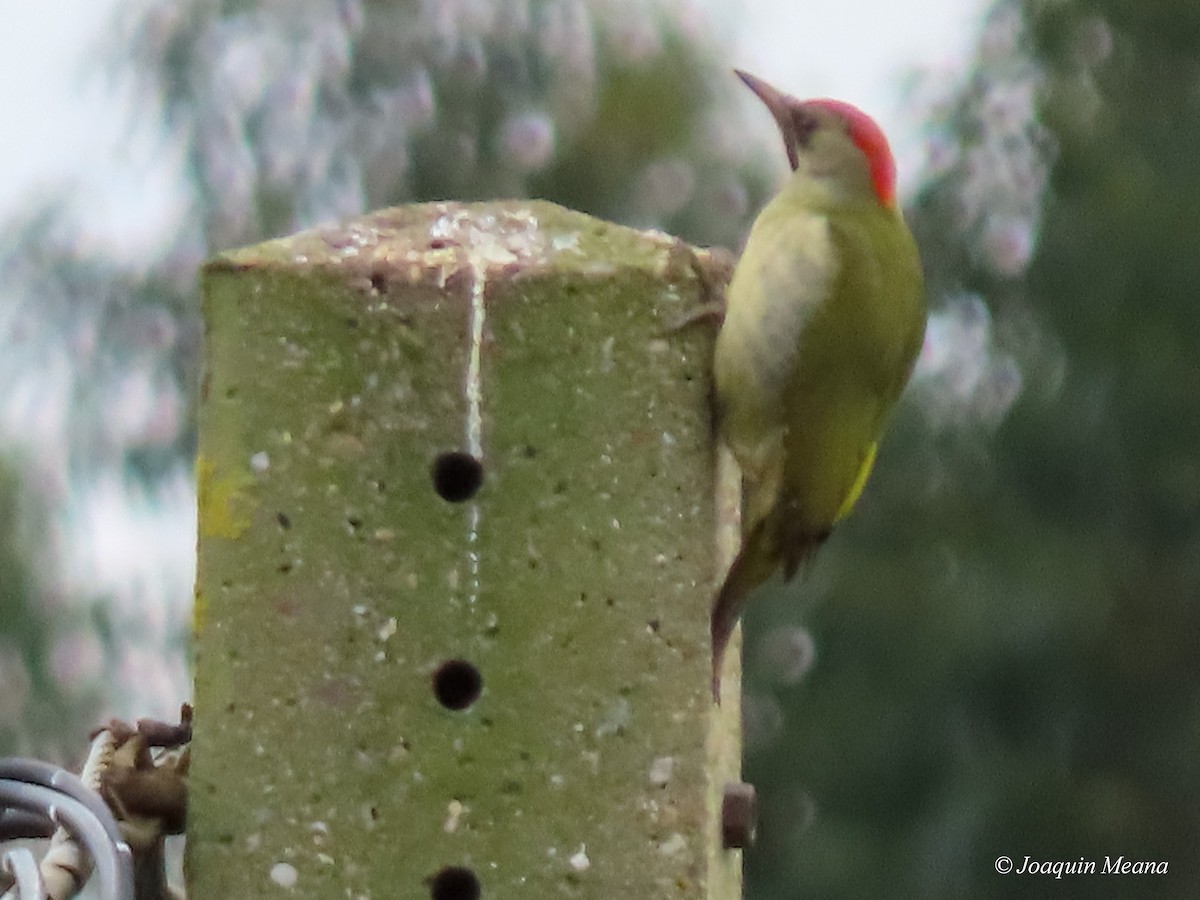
(297, 113)
(35, 704)
(95, 357)
(1006, 633)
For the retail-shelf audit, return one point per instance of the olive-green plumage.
(824, 318)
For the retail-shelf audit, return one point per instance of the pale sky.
(48, 110)
(861, 51)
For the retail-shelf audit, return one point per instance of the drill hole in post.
(457, 684)
(457, 476)
(454, 883)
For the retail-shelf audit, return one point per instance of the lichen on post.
(457, 546)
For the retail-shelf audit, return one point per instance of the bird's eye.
(804, 124)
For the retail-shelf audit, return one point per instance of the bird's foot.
(711, 268)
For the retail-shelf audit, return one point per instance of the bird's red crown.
(869, 138)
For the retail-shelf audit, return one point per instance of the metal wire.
(23, 868)
(32, 788)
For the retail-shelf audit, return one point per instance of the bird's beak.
(779, 104)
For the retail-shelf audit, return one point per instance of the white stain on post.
(475, 411)
(486, 242)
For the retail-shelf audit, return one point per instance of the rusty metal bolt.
(739, 815)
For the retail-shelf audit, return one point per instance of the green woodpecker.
(824, 318)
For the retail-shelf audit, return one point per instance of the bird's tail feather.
(751, 567)
(758, 559)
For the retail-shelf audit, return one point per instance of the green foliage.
(96, 369)
(34, 710)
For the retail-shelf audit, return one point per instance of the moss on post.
(457, 546)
